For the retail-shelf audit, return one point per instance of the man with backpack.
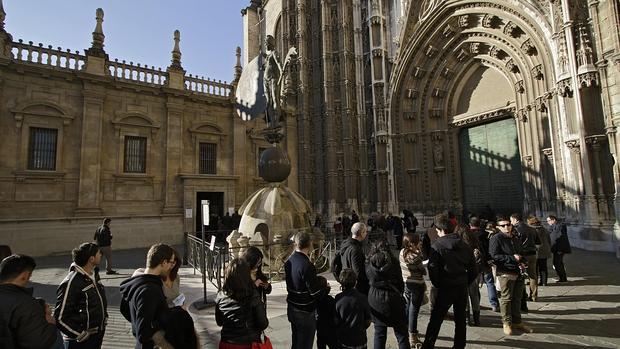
(351, 256)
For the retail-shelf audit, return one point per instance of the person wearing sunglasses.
(506, 251)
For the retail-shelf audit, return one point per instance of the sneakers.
(111, 272)
(507, 329)
(523, 327)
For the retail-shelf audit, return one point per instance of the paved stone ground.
(584, 312)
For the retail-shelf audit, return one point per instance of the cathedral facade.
(470, 106)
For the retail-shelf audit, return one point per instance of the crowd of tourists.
(384, 287)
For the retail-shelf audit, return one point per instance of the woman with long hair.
(543, 251)
(253, 257)
(385, 297)
(239, 309)
(413, 271)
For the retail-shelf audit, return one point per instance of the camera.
(523, 271)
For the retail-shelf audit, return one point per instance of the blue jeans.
(381, 337)
(303, 327)
(414, 294)
(491, 290)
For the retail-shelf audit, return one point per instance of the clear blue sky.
(138, 30)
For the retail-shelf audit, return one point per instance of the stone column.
(90, 153)
(174, 146)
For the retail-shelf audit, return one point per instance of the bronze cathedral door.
(491, 168)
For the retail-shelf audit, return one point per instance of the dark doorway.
(216, 209)
(491, 168)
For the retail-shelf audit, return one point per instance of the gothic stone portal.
(491, 168)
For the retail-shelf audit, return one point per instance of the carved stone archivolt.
(510, 29)
(484, 117)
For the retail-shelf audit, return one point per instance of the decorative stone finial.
(238, 68)
(176, 51)
(96, 48)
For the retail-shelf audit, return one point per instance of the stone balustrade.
(137, 73)
(47, 56)
(207, 86)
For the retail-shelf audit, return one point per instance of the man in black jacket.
(26, 323)
(451, 268)
(143, 303)
(560, 245)
(505, 249)
(529, 239)
(353, 255)
(303, 290)
(103, 238)
(81, 304)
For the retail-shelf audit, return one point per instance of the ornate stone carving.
(499, 113)
(528, 160)
(410, 115)
(462, 55)
(412, 138)
(588, 79)
(540, 104)
(574, 145)
(537, 72)
(412, 94)
(565, 87)
(494, 52)
(430, 51)
(487, 20)
(595, 141)
(474, 48)
(522, 114)
(510, 29)
(435, 113)
(418, 72)
(464, 21)
(548, 152)
(511, 66)
(520, 86)
(528, 48)
(447, 73)
(448, 31)
(438, 93)
(438, 155)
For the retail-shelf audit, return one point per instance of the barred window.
(42, 149)
(208, 158)
(135, 154)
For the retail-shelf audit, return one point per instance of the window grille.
(42, 149)
(135, 154)
(208, 158)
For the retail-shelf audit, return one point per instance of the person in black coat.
(143, 301)
(326, 331)
(352, 253)
(25, 322)
(239, 308)
(385, 297)
(451, 268)
(560, 245)
(352, 312)
(81, 308)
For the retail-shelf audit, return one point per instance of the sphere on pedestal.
(274, 165)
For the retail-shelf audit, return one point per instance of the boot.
(414, 339)
(507, 329)
(523, 327)
(476, 318)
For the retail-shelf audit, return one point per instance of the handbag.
(265, 343)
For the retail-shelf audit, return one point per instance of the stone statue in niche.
(438, 155)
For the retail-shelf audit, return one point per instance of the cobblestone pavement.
(585, 312)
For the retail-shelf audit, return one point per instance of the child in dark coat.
(326, 318)
(352, 313)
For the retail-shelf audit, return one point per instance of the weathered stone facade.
(93, 106)
(390, 93)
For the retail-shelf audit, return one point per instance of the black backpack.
(337, 265)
